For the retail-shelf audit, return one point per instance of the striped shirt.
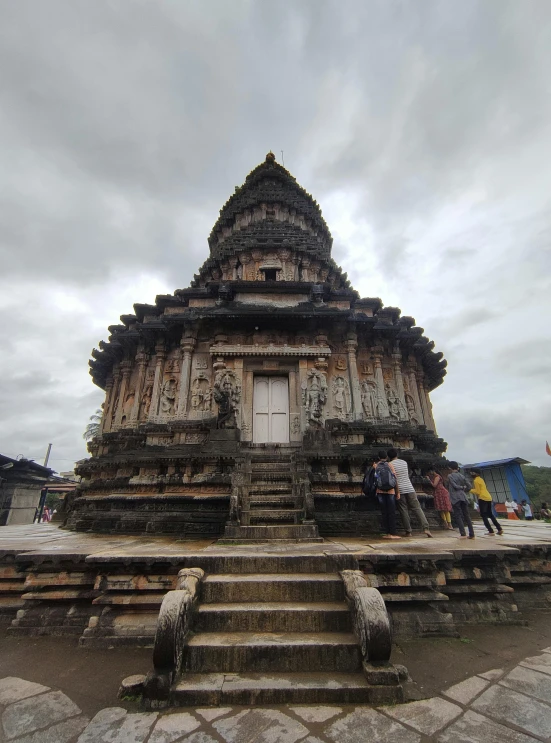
(402, 476)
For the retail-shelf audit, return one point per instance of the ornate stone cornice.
(269, 350)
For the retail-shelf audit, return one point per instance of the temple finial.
(270, 157)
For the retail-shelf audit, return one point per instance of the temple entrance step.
(270, 688)
(280, 501)
(279, 515)
(247, 564)
(274, 616)
(270, 488)
(236, 652)
(296, 533)
(268, 587)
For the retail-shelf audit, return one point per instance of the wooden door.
(271, 410)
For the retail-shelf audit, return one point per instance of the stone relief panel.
(369, 399)
(342, 403)
(147, 393)
(396, 407)
(227, 395)
(314, 396)
(168, 396)
(201, 393)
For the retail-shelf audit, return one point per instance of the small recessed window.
(270, 274)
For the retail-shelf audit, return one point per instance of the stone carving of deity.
(201, 393)
(369, 399)
(410, 403)
(314, 395)
(168, 396)
(341, 398)
(227, 394)
(395, 405)
(146, 398)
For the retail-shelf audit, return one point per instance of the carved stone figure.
(146, 398)
(410, 403)
(395, 405)
(369, 399)
(314, 395)
(168, 396)
(201, 393)
(227, 394)
(341, 398)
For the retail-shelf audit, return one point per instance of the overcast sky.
(423, 129)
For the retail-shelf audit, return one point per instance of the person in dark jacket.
(458, 486)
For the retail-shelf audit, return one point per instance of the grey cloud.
(124, 133)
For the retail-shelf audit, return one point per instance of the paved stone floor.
(50, 538)
(498, 706)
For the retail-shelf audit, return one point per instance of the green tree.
(93, 428)
(538, 483)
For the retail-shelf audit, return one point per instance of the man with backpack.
(387, 494)
(408, 500)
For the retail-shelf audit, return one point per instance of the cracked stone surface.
(506, 705)
(427, 716)
(14, 689)
(260, 726)
(34, 713)
(173, 727)
(366, 724)
(316, 714)
(465, 691)
(510, 705)
(474, 728)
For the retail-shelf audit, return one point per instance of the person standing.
(526, 507)
(387, 494)
(408, 497)
(442, 501)
(484, 497)
(458, 485)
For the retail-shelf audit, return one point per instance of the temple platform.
(106, 590)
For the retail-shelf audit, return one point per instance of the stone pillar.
(294, 406)
(303, 380)
(424, 402)
(238, 371)
(351, 346)
(187, 345)
(126, 368)
(160, 351)
(397, 363)
(414, 390)
(382, 404)
(141, 360)
(305, 265)
(247, 392)
(106, 415)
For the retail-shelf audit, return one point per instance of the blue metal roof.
(497, 462)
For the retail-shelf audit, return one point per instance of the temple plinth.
(248, 404)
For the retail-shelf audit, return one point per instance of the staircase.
(271, 493)
(267, 634)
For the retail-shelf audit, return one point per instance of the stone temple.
(247, 405)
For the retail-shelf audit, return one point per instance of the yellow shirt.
(480, 489)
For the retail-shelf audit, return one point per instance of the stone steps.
(267, 516)
(280, 616)
(289, 532)
(235, 652)
(306, 587)
(273, 688)
(280, 501)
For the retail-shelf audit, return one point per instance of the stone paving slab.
(14, 689)
(35, 713)
(366, 724)
(539, 663)
(492, 675)
(534, 683)
(173, 727)
(260, 726)
(427, 716)
(506, 705)
(474, 728)
(61, 732)
(465, 691)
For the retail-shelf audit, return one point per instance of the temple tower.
(248, 403)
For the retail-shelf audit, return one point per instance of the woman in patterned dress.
(442, 501)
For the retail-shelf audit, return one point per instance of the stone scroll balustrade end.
(369, 616)
(173, 626)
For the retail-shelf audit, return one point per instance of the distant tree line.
(538, 483)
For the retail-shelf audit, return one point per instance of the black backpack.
(385, 477)
(369, 486)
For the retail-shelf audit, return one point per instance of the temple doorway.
(271, 410)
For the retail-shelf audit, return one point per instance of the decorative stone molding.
(269, 350)
(369, 616)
